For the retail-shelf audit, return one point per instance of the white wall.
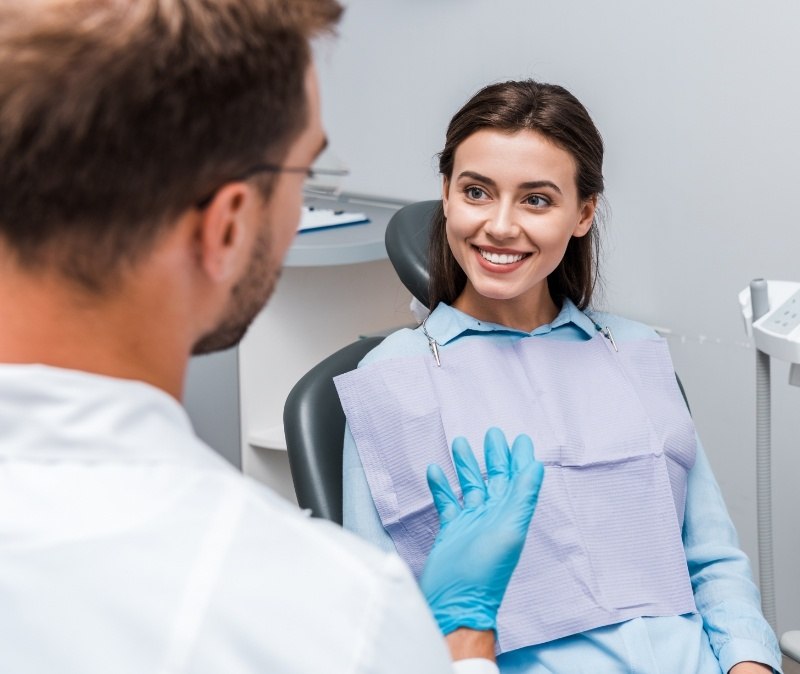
(699, 105)
(314, 312)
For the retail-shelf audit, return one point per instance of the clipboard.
(315, 219)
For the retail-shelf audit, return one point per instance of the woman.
(632, 563)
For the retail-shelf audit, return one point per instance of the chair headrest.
(407, 237)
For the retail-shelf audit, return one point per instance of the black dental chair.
(312, 416)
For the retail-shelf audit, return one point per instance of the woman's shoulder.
(623, 328)
(403, 342)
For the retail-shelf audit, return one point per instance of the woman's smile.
(501, 261)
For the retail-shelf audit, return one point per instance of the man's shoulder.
(312, 582)
(269, 520)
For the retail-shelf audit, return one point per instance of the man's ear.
(221, 235)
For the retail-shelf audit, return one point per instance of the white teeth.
(500, 258)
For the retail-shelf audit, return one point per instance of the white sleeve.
(475, 666)
(404, 635)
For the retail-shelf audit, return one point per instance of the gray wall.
(698, 103)
(211, 398)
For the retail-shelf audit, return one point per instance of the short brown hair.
(555, 113)
(117, 115)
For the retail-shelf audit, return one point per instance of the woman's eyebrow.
(530, 185)
(538, 184)
(472, 175)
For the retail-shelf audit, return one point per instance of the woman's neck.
(525, 313)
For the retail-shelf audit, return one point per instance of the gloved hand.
(479, 544)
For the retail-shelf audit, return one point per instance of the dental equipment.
(771, 311)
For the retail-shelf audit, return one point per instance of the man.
(153, 154)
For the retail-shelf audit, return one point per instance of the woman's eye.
(537, 200)
(475, 192)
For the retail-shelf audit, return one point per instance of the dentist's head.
(153, 160)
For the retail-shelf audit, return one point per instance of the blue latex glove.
(479, 544)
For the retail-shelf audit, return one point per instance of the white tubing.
(759, 300)
(766, 566)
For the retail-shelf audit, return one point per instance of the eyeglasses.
(318, 180)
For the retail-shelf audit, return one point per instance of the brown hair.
(555, 113)
(117, 115)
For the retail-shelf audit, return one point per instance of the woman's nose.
(501, 223)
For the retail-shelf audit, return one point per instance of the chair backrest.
(407, 236)
(313, 422)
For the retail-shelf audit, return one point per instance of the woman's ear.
(221, 234)
(445, 193)
(586, 217)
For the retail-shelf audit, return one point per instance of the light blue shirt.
(729, 627)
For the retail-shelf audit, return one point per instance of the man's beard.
(248, 297)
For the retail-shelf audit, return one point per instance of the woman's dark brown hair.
(555, 113)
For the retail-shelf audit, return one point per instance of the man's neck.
(48, 320)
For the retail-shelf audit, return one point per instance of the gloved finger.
(498, 462)
(528, 473)
(521, 452)
(469, 474)
(444, 499)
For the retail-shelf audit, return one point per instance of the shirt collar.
(447, 323)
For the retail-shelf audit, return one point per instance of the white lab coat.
(126, 545)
